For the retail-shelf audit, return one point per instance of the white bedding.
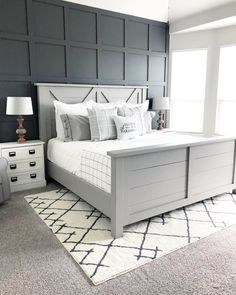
(89, 160)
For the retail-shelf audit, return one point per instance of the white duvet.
(89, 160)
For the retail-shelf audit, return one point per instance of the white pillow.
(108, 105)
(138, 112)
(102, 125)
(148, 116)
(126, 127)
(62, 108)
(144, 105)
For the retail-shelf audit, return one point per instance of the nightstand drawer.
(24, 178)
(25, 165)
(23, 153)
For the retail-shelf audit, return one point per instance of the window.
(226, 103)
(188, 79)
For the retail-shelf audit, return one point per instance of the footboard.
(148, 182)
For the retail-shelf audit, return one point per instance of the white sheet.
(89, 160)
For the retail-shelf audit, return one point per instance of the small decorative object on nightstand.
(20, 106)
(162, 103)
(25, 164)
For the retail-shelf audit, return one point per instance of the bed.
(134, 180)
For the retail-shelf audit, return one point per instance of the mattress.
(89, 160)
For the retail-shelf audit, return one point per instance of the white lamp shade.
(162, 103)
(19, 106)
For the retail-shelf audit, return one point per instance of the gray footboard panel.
(157, 182)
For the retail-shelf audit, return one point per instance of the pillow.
(108, 105)
(144, 106)
(126, 127)
(138, 112)
(148, 116)
(102, 125)
(75, 127)
(69, 109)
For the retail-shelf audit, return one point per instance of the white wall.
(150, 9)
(212, 40)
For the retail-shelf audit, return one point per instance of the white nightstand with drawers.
(25, 164)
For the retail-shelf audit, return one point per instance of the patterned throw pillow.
(126, 127)
(102, 125)
(134, 111)
(76, 127)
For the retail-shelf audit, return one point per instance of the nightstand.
(25, 164)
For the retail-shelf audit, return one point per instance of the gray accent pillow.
(76, 127)
(102, 125)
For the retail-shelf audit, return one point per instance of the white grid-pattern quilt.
(96, 169)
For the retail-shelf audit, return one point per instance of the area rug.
(85, 232)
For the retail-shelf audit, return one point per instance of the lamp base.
(160, 121)
(21, 131)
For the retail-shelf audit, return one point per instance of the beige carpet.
(32, 261)
(85, 232)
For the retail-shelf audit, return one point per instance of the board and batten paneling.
(57, 41)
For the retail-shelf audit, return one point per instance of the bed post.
(117, 195)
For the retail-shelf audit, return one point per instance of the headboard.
(74, 93)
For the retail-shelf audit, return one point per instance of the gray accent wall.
(62, 42)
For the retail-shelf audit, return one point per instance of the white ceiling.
(179, 9)
(173, 11)
(151, 9)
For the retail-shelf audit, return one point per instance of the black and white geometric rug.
(85, 232)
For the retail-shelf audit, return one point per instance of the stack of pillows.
(102, 121)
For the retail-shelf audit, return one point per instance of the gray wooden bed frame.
(145, 181)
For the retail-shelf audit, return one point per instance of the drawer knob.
(13, 179)
(32, 164)
(31, 152)
(12, 154)
(13, 166)
(33, 175)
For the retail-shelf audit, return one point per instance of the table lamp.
(19, 106)
(162, 103)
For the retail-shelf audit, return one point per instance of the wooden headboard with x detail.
(74, 93)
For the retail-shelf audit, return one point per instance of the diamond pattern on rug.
(85, 232)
